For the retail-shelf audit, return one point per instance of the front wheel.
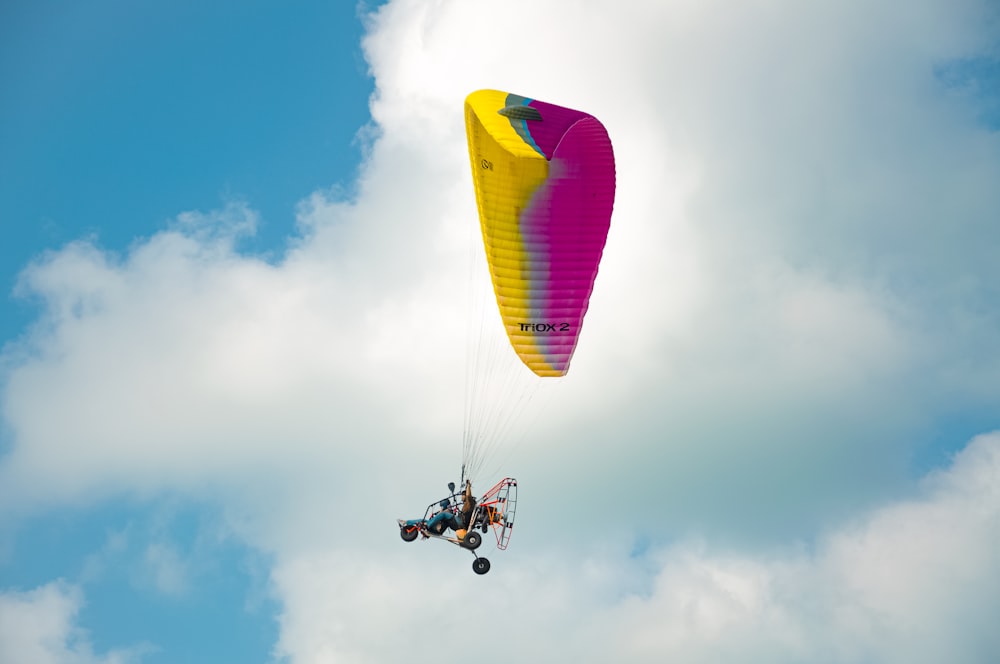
(409, 534)
(480, 566)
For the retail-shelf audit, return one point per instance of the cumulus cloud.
(912, 581)
(39, 626)
(798, 288)
(788, 250)
(801, 252)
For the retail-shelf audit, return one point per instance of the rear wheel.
(472, 540)
(409, 534)
(480, 566)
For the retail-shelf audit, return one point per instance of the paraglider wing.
(544, 178)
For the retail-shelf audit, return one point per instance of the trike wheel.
(408, 534)
(472, 540)
(480, 566)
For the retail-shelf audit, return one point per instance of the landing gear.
(408, 530)
(480, 566)
(472, 540)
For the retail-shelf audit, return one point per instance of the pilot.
(445, 516)
(449, 518)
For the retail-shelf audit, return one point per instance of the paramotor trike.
(494, 510)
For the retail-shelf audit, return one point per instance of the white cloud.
(167, 569)
(758, 288)
(913, 581)
(798, 287)
(39, 626)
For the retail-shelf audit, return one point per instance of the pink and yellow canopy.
(545, 186)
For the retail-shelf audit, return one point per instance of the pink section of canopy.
(566, 223)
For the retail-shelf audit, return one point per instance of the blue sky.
(235, 268)
(117, 117)
(107, 552)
